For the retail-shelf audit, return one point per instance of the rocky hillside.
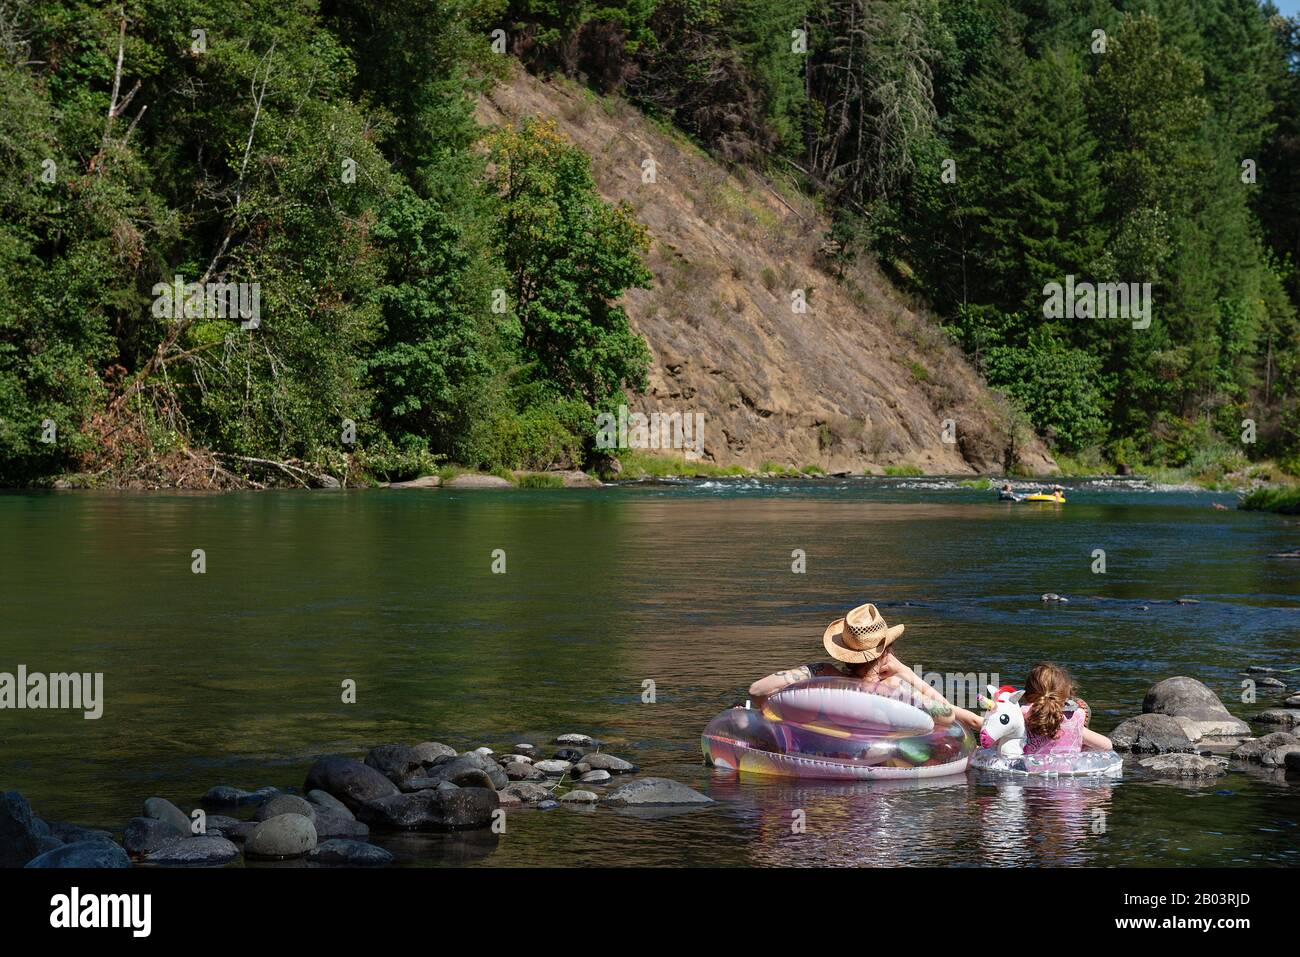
(856, 382)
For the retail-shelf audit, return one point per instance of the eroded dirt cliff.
(856, 382)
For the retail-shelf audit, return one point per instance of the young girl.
(1054, 718)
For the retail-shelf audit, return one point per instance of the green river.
(235, 676)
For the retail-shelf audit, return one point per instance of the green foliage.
(328, 158)
(1285, 500)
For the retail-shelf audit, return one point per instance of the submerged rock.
(330, 826)
(351, 782)
(83, 854)
(1255, 749)
(1287, 717)
(528, 792)
(580, 740)
(207, 850)
(1184, 766)
(223, 795)
(74, 833)
(1277, 757)
(327, 802)
(1199, 709)
(594, 777)
(349, 854)
(572, 755)
(580, 797)
(432, 810)
(553, 768)
(516, 771)
(599, 761)
(654, 791)
(161, 809)
(280, 837)
(1160, 733)
(144, 835)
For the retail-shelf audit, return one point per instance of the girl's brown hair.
(1047, 689)
(869, 670)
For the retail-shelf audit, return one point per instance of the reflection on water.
(234, 676)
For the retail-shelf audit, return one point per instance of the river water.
(235, 676)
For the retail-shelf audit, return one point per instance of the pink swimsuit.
(1067, 740)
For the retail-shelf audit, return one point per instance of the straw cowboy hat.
(860, 636)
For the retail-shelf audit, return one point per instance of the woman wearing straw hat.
(861, 644)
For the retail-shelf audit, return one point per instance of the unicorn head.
(1004, 726)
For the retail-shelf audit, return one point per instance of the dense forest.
(427, 291)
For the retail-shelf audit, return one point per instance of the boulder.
(1151, 732)
(161, 809)
(553, 768)
(349, 854)
(529, 792)
(580, 797)
(218, 824)
(223, 795)
(424, 481)
(207, 850)
(594, 777)
(330, 826)
(351, 782)
(1286, 717)
(580, 740)
(329, 803)
(394, 761)
(525, 747)
(449, 810)
(285, 804)
(466, 770)
(508, 759)
(1189, 699)
(72, 833)
(474, 480)
(1256, 748)
(1184, 766)
(280, 837)
(144, 835)
(241, 832)
(1277, 757)
(83, 854)
(427, 751)
(516, 771)
(20, 831)
(648, 792)
(572, 755)
(607, 762)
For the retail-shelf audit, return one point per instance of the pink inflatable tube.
(839, 729)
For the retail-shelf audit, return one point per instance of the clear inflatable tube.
(1075, 764)
(839, 729)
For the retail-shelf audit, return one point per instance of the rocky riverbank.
(1184, 733)
(423, 787)
(1188, 733)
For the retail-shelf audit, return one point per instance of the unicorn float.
(1003, 734)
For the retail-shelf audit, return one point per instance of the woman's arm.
(774, 683)
(1096, 742)
(945, 714)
